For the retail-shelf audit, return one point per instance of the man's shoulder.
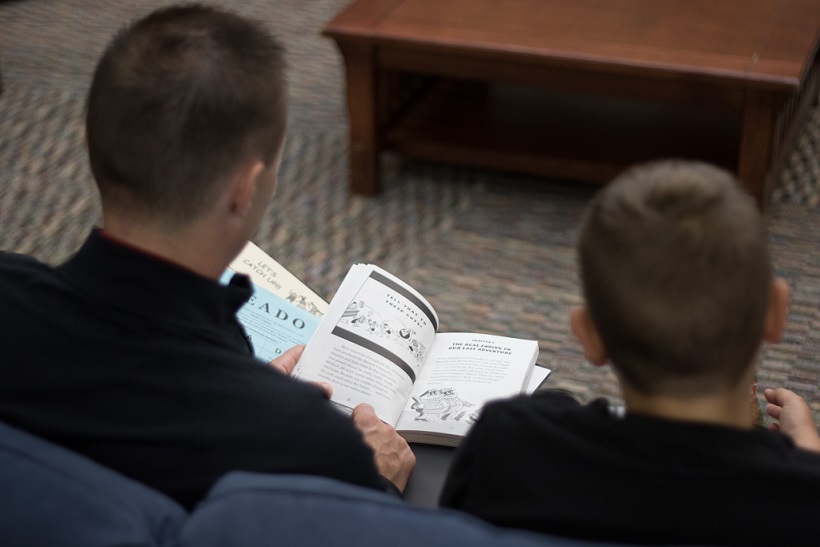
(18, 272)
(16, 265)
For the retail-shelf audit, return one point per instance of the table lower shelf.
(558, 134)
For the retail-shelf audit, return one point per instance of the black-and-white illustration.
(302, 301)
(360, 316)
(441, 404)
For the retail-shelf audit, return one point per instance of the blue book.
(283, 312)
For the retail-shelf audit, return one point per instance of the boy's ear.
(587, 333)
(244, 186)
(778, 311)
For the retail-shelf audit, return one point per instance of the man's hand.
(394, 459)
(795, 417)
(286, 362)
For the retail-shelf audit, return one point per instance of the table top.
(765, 43)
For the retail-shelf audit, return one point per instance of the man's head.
(180, 101)
(677, 278)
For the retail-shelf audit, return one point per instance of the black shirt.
(548, 464)
(141, 365)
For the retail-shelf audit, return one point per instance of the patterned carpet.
(493, 252)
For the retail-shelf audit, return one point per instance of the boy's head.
(180, 100)
(677, 277)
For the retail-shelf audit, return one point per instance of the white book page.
(463, 372)
(538, 376)
(372, 342)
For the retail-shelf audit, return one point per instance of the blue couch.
(51, 496)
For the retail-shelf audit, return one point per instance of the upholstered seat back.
(249, 509)
(50, 496)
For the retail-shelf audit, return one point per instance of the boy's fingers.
(773, 411)
(772, 395)
(781, 396)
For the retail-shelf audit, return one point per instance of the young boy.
(679, 296)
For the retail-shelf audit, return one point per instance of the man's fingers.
(364, 415)
(327, 388)
(286, 362)
(392, 454)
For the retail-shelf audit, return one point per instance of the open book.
(378, 343)
(453, 375)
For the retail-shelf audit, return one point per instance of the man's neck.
(732, 408)
(188, 246)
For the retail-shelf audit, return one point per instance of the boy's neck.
(732, 408)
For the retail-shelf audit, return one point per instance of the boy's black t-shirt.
(548, 464)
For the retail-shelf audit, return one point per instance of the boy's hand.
(795, 417)
(394, 459)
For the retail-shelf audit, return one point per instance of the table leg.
(756, 144)
(361, 104)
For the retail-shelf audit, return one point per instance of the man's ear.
(244, 187)
(587, 333)
(778, 311)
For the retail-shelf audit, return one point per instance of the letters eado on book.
(377, 343)
(283, 312)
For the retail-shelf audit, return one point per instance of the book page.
(267, 273)
(273, 324)
(282, 312)
(463, 372)
(537, 378)
(372, 342)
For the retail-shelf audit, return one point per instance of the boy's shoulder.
(552, 402)
(548, 410)
(557, 414)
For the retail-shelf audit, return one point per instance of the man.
(130, 352)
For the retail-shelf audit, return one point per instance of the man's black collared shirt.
(141, 365)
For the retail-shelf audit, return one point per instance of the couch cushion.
(250, 510)
(51, 496)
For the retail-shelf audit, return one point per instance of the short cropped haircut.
(179, 100)
(676, 276)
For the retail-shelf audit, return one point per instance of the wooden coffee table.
(577, 89)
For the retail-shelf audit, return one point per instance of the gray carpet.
(493, 252)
